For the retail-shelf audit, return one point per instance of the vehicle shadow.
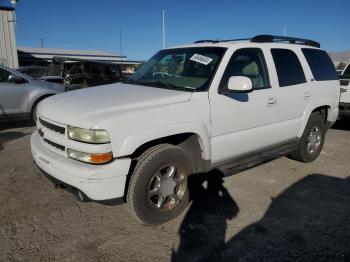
(309, 221)
(342, 124)
(203, 229)
(15, 124)
(9, 136)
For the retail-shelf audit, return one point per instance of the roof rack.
(279, 39)
(219, 41)
(269, 39)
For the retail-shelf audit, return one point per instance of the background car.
(36, 72)
(20, 94)
(80, 73)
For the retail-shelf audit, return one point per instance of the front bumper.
(344, 109)
(97, 182)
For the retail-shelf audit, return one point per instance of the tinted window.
(250, 63)
(320, 64)
(289, 70)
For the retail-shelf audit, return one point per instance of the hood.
(85, 107)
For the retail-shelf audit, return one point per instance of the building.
(8, 50)
(29, 56)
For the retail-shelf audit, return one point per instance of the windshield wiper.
(165, 85)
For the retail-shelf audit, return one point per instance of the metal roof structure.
(48, 53)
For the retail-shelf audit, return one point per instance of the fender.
(305, 118)
(37, 96)
(133, 141)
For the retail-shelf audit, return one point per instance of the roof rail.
(206, 41)
(291, 40)
(219, 41)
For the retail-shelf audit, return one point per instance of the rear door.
(293, 92)
(13, 96)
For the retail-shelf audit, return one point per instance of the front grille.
(52, 127)
(60, 147)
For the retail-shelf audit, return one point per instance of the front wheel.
(158, 190)
(311, 143)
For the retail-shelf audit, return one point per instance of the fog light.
(92, 158)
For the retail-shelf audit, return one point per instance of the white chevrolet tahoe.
(209, 105)
(344, 105)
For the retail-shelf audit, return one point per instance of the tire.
(304, 152)
(158, 190)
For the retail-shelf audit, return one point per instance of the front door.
(244, 122)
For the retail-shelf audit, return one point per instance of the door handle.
(271, 101)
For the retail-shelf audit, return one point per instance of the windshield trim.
(205, 87)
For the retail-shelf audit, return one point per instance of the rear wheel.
(311, 143)
(158, 190)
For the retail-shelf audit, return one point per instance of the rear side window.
(320, 64)
(289, 69)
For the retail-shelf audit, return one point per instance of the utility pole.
(284, 31)
(120, 46)
(42, 42)
(163, 11)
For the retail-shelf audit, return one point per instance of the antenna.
(163, 13)
(41, 42)
(284, 30)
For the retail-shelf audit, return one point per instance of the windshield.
(189, 69)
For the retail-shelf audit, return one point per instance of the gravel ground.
(280, 211)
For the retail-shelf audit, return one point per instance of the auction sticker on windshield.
(201, 59)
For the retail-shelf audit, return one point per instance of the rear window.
(288, 67)
(320, 64)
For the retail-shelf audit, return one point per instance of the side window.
(320, 64)
(4, 75)
(247, 62)
(288, 67)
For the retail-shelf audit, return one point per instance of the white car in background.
(20, 94)
(344, 105)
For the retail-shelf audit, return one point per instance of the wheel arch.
(38, 100)
(323, 110)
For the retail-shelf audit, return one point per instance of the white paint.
(226, 125)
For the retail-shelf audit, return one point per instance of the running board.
(254, 159)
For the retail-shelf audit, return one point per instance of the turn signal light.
(91, 158)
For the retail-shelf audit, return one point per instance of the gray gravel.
(279, 211)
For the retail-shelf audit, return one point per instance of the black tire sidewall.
(144, 171)
(314, 121)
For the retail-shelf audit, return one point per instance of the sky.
(96, 25)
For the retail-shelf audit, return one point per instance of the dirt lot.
(279, 211)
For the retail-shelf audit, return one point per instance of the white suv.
(344, 105)
(209, 105)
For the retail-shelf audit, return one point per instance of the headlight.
(88, 135)
(92, 158)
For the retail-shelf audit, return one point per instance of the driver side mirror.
(240, 84)
(13, 78)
